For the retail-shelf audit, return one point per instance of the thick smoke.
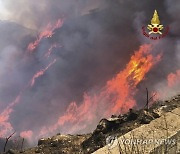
(168, 83)
(36, 14)
(95, 46)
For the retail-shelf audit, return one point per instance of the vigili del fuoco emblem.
(155, 30)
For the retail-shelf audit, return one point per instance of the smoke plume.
(83, 60)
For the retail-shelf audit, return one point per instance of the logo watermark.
(155, 30)
(111, 141)
(147, 141)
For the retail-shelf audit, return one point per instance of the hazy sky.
(20, 11)
(3, 11)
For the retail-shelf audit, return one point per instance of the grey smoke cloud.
(173, 10)
(36, 14)
(95, 47)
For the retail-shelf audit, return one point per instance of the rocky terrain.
(116, 125)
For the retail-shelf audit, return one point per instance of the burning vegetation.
(82, 68)
(117, 125)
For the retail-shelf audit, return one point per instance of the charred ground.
(116, 125)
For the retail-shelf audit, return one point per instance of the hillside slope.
(115, 126)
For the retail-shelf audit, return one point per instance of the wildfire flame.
(55, 45)
(40, 73)
(47, 32)
(26, 134)
(173, 78)
(169, 87)
(5, 126)
(115, 97)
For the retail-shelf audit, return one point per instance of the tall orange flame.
(114, 98)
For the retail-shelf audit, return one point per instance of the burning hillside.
(115, 97)
(115, 126)
(81, 67)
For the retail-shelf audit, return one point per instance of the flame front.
(40, 73)
(114, 98)
(124, 84)
(47, 32)
(5, 126)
